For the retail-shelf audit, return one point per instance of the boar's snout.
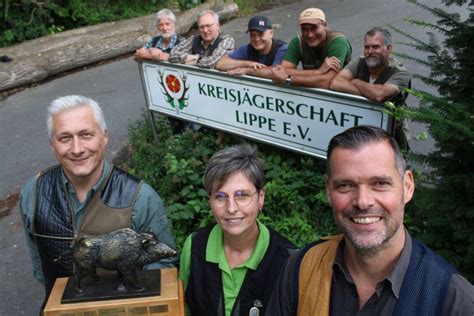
(164, 250)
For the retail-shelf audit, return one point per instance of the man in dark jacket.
(374, 267)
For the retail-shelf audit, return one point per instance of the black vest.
(254, 55)
(363, 73)
(198, 48)
(54, 220)
(155, 40)
(424, 286)
(204, 292)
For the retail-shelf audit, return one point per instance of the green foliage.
(188, 4)
(295, 202)
(250, 7)
(443, 211)
(22, 20)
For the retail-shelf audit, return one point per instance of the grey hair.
(358, 136)
(70, 102)
(386, 36)
(215, 16)
(240, 158)
(165, 14)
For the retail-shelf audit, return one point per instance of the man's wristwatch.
(288, 80)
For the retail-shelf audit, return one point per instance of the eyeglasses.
(206, 26)
(242, 198)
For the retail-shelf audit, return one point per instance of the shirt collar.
(211, 43)
(215, 247)
(70, 188)
(395, 278)
(172, 43)
(398, 274)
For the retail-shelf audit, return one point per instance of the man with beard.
(321, 51)
(375, 267)
(159, 47)
(377, 76)
(205, 49)
(264, 50)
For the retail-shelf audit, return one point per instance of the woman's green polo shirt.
(232, 279)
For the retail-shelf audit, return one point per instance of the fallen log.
(35, 60)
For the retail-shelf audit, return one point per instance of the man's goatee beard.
(373, 62)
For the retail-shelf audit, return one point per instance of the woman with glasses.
(230, 267)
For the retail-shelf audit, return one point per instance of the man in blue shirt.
(263, 50)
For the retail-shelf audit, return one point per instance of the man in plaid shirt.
(206, 49)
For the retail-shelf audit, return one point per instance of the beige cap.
(311, 16)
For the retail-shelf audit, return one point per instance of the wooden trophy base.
(169, 302)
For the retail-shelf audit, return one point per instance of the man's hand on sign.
(239, 71)
(256, 65)
(330, 63)
(191, 59)
(141, 53)
(156, 53)
(279, 74)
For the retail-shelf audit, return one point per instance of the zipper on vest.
(54, 237)
(73, 217)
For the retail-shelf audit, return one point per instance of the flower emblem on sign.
(173, 83)
(174, 89)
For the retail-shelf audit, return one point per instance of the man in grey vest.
(83, 194)
(205, 49)
(377, 76)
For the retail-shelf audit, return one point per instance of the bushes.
(295, 203)
(442, 214)
(23, 20)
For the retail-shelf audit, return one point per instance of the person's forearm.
(375, 92)
(261, 73)
(343, 85)
(314, 81)
(178, 57)
(227, 63)
(303, 72)
(179, 53)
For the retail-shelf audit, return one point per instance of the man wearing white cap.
(321, 51)
(262, 51)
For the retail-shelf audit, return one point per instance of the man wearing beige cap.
(321, 51)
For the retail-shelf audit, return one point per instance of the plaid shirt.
(183, 49)
(159, 43)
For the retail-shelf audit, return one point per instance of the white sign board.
(300, 119)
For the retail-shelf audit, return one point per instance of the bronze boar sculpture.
(123, 250)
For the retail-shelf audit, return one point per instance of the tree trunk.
(38, 59)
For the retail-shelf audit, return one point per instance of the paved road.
(117, 87)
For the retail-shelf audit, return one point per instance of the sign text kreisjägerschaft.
(299, 119)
